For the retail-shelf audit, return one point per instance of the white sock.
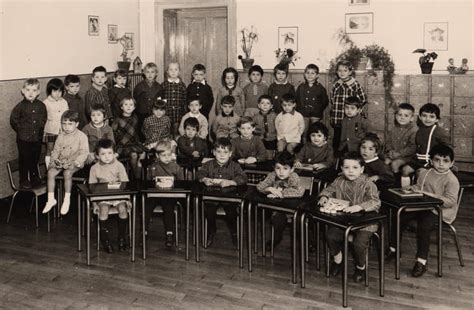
(50, 203)
(338, 258)
(169, 232)
(360, 268)
(66, 203)
(47, 159)
(392, 249)
(421, 260)
(405, 181)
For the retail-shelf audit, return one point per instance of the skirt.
(112, 205)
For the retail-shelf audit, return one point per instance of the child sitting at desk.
(319, 153)
(281, 183)
(438, 182)
(164, 166)
(190, 145)
(375, 168)
(248, 148)
(109, 170)
(221, 172)
(362, 195)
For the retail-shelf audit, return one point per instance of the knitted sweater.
(290, 187)
(353, 130)
(159, 169)
(70, 150)
(401, 139)
(313, 154)
(289, 126)
(253, 147)
(105, 173)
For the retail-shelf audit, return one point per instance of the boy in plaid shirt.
(174, 93)
(157, 127)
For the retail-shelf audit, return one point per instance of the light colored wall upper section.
(50, 37)
(398, 26)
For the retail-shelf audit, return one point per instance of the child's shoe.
(169, 240)
(104, 239)
(359, 275)
(335, 269)
(122, 244)
(36, 181)
(122, 228)
(418, 270)
(65, 206)
(49, 205)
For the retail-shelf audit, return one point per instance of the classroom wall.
(50, 37)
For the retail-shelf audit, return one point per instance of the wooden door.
(200, 37)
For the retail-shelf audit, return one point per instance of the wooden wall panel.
(441, 86)
(463, 86)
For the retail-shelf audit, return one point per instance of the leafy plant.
(286, 56)
(125, 41)
(248, 37)
(427, 57)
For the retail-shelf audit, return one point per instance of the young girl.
(55, 107)
(126, 135)
(344, 87)
(118, 92)
(280, 86)
(311, 96)
(248, 148)
(109, 170)
(174, 93)
(319, 154)
(68, 156)
(96, 130)
(229, 80)
(254, 90)
(201, 89)
(375, 168)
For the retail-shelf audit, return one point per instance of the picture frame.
(435, 36)
(359, 2)
(112, 33)
(93, 25)
(288, 38)
(359, 23)
(130, 43)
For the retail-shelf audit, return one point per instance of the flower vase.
(247, 63)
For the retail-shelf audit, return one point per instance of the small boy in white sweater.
(289, 125)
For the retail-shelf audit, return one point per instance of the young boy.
(190, 145)
(281, 183)
(400, 144)
(354, 126)
(97, 129)
(429, 134)
(279, 87)
(225, 124)
(68, 156)
(157, 127)
(375, 168)
(146, 93)
(28, 119)
(72, 84)
(254, 90)
(109, 170)
(265, 123)
(98, 93)
(319, 153)
(289, 125)
(438, 182)
(195, 106)
(118, 91)
(164, 166)
(200, 89)
(362, 194)
(221, 172)
(174, 94)
(248, 148)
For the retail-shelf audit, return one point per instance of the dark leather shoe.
(419, 269)
(35, 181)
(268, 245)
(169, 240)
(390, 255)
(359, 275)
(122, 246)
(107, 246)
(210, 239)
(335, 269)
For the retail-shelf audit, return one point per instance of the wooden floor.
(44, 271)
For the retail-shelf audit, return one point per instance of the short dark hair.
(70, 115)
(230, 70)
(372, 137)
(280, 67)
(199, 67)
(442, 150)
(97, 107)
(355, 101)
(121, 72)
(104, 144)
(228, 100)
(345, 63)
(191, 122)
(312, 67)
(256, 68)
(223, 143)
(406, 106)
(99, 69)
(430, 108)
(353, 156)
(194, 98)
(126, 99)
(318, 127)
(54, 84)
(285, 158)
(71, 78)
(245, 120)
(268, 97)
(159, 105)
(288, 98)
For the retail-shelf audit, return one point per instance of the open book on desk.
(406, 193)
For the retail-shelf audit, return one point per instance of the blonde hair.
(163, 146)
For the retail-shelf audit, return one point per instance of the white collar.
(177, 80)
(371, 160)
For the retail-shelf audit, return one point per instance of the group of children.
(243, 125)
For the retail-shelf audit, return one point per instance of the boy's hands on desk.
(274, 192)
(352, 209)
(195, 154)
(227, 183)
(323, 201)
(208, 181)
(319, 166)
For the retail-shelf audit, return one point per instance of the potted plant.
(125, 41)
(426, 64)
(248, 38)
(286, 56)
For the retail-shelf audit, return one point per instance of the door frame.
(193, 4)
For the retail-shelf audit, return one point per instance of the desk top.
(397, 201)
(237, 192)
(267, 166)
(179, 187)
(288, 203)
(101, 189)
(466, 179)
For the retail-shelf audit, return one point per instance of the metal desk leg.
(249, 235)
(255, 231)
(440, 241)
(264, 250)
(134, 220)
(381, 260)
(241, 233)
(302, 249)
(344, 270)
(397, 250)
(318, 260)
(188, 202)
(293, 249)
(196, 227)
(88, 231)
(79, 227)
(143, 226)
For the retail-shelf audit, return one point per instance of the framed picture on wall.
(288, 38)
(359, 2)
(130, 42)
(112, 33)
(359, 22)
(435, 36)
(93, 24)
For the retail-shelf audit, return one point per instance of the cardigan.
(203, 91)
(76, 103)
(55, 109)
(107, 173)
(159, 169)
(28, 119)
(265, 125)
(70, 149)
(291, 186)
(401, 139)
(225, 126)
(228, 171)
(277, 90)
(311, 101)
(94, 134)
(352, 132)
(187, 146)
(439, 137)
(244, 148)
(235, 92)
(313, 154)
(252, 92)
(146, 94)
(289, 126)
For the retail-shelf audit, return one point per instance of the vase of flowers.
(125, 41)
(286, 56)
(248, 36)
(426, 61)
